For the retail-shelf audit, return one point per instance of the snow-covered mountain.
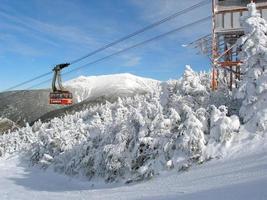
(109, 86)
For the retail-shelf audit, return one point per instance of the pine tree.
(192, 131)
(253, 87)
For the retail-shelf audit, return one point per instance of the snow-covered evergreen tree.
(253, 87)
(192, 134)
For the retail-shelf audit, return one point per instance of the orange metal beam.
(214, 78)
(229, 63)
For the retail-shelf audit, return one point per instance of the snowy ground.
(243, 177)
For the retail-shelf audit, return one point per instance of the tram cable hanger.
(59, 95)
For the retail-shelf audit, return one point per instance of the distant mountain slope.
(74, 108)
(6, 124)
(25, 105)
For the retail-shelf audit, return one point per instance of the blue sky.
(37, 34)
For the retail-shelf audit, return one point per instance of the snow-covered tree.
(253, 87)
(222, 127)
(192, 134)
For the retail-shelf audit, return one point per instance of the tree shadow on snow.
(38, 179)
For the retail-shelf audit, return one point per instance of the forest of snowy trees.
(133, 138)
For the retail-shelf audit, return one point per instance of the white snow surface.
(109, 86)
(242, 177)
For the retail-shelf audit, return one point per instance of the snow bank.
(109, 86)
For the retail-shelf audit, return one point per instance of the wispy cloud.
(132, 61)
(25, 31)
(159, 9)
(12, 44)
(60, 32)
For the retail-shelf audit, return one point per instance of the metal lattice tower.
(219, 45)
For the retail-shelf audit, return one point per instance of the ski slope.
(243, 177)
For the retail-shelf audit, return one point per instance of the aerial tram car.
(59, 95)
